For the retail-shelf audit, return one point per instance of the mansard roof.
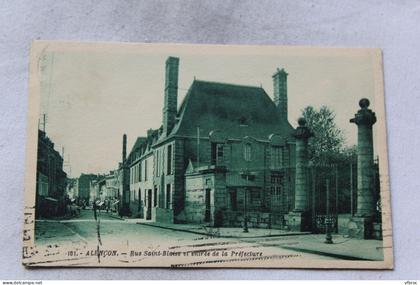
(140, 141)
(237, 110)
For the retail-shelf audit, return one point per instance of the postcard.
(187, 156)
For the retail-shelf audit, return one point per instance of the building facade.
(84, 188)
(111, 185)
(71, 191)
(51, 179)
(227, 153)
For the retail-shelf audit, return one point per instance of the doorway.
(207, 214)
(140, 206)
(149, 205)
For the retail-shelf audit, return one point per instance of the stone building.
(51, 179)
(111, 185)
(71, 190)
(143, 200)
(96, 189)
(83, 187)
(228, 151)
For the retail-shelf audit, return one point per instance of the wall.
(195, 191)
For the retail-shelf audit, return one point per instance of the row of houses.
(102, 189)
(50, 179)
(227, 153)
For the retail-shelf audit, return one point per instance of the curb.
(329, 254)
(221, 236)
(116, 217)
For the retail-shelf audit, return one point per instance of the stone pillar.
(300, 218)
(361, 224)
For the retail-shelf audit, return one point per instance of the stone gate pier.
(300, 218)
(361, 224)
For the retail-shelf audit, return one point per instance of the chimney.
(124, 150)
(171, 95)
(280, 91)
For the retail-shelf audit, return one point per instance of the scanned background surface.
(391, 26)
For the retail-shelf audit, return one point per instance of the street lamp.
(328, 237)
(247, 157)
(245, 213)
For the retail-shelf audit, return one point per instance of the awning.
(116, 202)
(100, 203)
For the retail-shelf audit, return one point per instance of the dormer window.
(276, 157)
(217, 144)
(247, 152)
(220, 151)
(217, 153)
(278, 145)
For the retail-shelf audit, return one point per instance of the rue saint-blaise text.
(164, 253)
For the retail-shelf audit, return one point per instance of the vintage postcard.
(170, 155)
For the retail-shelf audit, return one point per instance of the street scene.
(82, 230)
(225, 174)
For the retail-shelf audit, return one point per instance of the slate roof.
(236, 109)
(140, 141)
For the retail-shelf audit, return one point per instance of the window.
(139, 171)
(213, 153)
(276, 157)
(255, 195)
(157, 163)
(168, 197)
(217, 153)
(155, 197)
(162, 161)
(220, 152)
(276, 189)
(169, 160)
(145, 170)
(233, 200)
(247, 152)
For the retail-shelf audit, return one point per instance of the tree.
(332, 160)
(326, 146)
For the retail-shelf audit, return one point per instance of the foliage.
(332, 161)
(326, 146)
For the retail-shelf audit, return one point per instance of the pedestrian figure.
(94, 210)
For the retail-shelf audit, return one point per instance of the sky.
(91, 97)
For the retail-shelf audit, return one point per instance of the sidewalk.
(342, 247)
(115, 216)
(219, 232)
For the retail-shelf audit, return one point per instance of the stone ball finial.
(302, 122)
(364, 103)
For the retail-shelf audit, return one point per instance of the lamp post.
(245, 212)
(247, 158)
(328, 237)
